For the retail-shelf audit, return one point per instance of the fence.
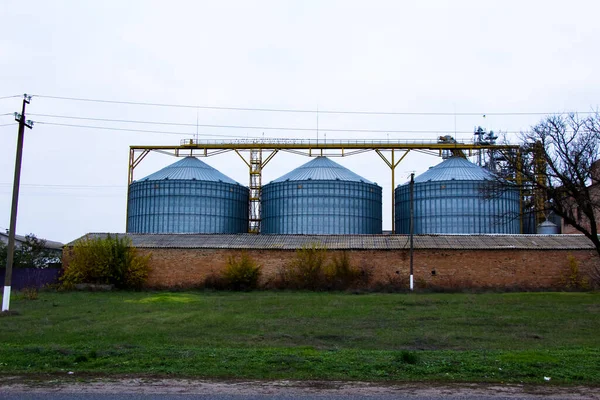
(31, 277)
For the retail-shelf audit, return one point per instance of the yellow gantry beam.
(313, 145)
(206, 148)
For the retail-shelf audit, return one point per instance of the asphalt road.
(138, 396)
(16, 388)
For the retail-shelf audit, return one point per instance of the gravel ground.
(143, 385)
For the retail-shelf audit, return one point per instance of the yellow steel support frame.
(519, 178)
(392, 164)
(256, 163)
(255, 187)
(133, 162)
(539, 195)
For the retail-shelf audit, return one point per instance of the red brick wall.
(453, 268)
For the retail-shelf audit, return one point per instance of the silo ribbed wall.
(460, 207)
(187, 206)
(321, 207)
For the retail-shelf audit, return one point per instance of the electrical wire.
(278, 128)
(12, 123)
(44, 185)
(144, 130)
(10, 97)
(289, 110)
(71, 195)
(113, 129)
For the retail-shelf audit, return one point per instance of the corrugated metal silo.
(188, 196)
(548, 228)
(457, 196)
(321, 197)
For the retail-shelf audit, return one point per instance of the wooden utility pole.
(412, 227)
(15, 202)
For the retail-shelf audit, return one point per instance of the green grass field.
(512, 337)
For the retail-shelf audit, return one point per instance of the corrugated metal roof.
(190, 168)
(321, 169)
(356, 242)
(455, 168)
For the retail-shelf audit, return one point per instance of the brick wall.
(451, 269)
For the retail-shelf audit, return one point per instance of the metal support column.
(539, 194)
(255, 190)
(255, 165)
(393, 164)
(519, 179)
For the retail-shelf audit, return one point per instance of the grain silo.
(321, 197)
(188, 196)
(457, 196)
(548, 228)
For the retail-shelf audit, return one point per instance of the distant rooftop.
(50, 244)
(321, 169)
(355, 242)
(190, 168)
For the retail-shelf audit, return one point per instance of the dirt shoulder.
(95, 384)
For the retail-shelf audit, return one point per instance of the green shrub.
(407, 357)
(29, 293)
(393, 283)
(106, 260)
(214, 281)
(573, 280)
(306, 270)
(341, 274)
(241, 273)
(31, 253)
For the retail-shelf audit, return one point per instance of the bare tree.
(557, 166)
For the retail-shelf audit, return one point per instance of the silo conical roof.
(548, 224)
(455, 168)
(190, 168)
(321, 169)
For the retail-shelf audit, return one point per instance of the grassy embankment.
(514, 337)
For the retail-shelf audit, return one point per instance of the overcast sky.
(479, 57)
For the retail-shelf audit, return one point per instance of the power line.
(141, 130)
(71, 195)
(278, 128)
(289, 110)
(113, 128)
(44, 185)
(10, 97)
(117, 120)
(12, 123)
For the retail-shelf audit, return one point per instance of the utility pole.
(412, 226)
(15, 202)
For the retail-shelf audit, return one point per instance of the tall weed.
(306, 270)
(341, 274)
(572, 280)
